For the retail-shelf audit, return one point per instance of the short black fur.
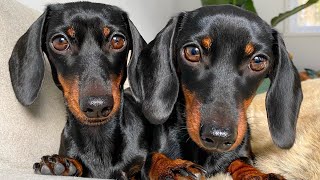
(222, 83)
(108, 142)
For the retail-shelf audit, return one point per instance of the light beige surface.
(302, 161)
(28, 133)
(25, 133)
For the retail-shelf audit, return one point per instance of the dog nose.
(217, 138)
(96, 106)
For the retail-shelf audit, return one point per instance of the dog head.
(87, 45)
(216, 57)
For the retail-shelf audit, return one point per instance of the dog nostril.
(227, 144)
(208, 140)
(88, 110)
(106, 111)
(220, 139)
(97, 106)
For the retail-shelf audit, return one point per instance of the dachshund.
(87, 45)
(205, 66)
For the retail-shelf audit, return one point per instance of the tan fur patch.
(193, 116)
(242, 123)
(116, 94)
(242, 129)
(71, 94)
(240, 170)
(106, 31)
(249, 49)
(159, 164)
(78, 166)
(206, 42)
(162, 166)
(71, 32)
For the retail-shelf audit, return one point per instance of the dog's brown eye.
(117, 42)
(192, 53)
(258, 63)
(60, 43)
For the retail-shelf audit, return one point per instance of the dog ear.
(284, 96)
(137, 44)
(26, 64)
(153, 78)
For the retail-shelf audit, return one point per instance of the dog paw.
(261, 176)
(239, 170)
(273, 176)
(168, 169)
(57, 165)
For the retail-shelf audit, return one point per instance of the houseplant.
(249, 5)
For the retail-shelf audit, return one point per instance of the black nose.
(217, 138)
(96, 106)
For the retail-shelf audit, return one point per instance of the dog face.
(216, 57)
(221, 61)
(87, 45)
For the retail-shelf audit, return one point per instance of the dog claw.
(185, 173)
(193, 176)
(199, 168)
(181, 172)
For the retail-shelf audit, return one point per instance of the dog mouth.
(96, 121)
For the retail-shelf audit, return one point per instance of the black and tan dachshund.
(206, 66)
(87, 45)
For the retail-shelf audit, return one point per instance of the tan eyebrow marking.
(71, 32)
(249, 49)
(206, 42)
(106, 31)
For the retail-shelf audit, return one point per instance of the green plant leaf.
(214, 2)
(282, 16)
(248, 5)
(245, 4)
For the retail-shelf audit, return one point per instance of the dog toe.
(57, 165)
(45, 170)
(58, 168)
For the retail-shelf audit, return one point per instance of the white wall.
(150, 16)
(304, 47)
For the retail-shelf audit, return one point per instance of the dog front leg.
(239, 170)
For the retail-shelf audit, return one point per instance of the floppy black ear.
(284, 96)
(138, 43)
(153, 78)
(26, 64)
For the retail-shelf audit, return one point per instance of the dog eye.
(60, 43)
(117, 42)
(258, 63)
(192, 53)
